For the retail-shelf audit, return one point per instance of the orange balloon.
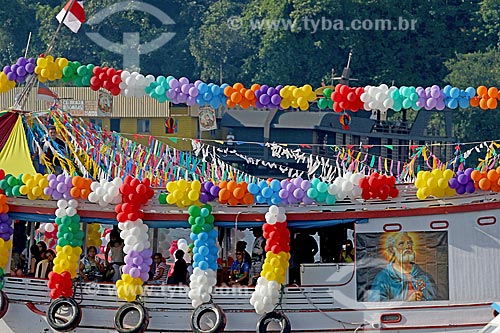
(474, 101)
(249, 94)
(484, 184)
(498, 170)
(3, 199)
(230, 104)
(75, 192)
(236, 97)
(492, 103)
(245, 103)
(239, 193)
(76, 180)
(482, 91)
(223, 184)
(493, 176)
(248, 198)
(255, 87)
(237, 86)
(493, 92)
(228, 91)
(483, 104)
(233, 201)
(224, 194)
(5, 209)
(476, 175)
(231, 185)
(84, 193)
(495, 187)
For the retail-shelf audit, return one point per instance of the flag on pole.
(75, 15)
(45, 93)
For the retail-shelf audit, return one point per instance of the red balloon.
(363, 183)
(146, 182)
(132, 216)
(125, 189)
(141, 189)
(135, 182)
(118, 208)
(276, 249)
(366, 194)
(110, 72)
(54, 294)
(394, 192)
(116, 79)
(121, 217)
(128, 179)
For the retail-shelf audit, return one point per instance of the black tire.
(279, 317)
(142, 322)
(64, 323)
(4, 304)
(220, 318)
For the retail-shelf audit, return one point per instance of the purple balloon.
(68, 181)
(453, 183)
(30, 68)
(468, 172)
(276, 99)
(290, 187)
(258, 93)
(7, 70)
(61, 178)
(129, 260)
(183, 80)
(271, 91)
(190, 101)
(469, 187)
(264, 99)
(137, 260)
(135, 272)
(305, 185)
(144, 276)
(171, 94)
(264, 88)
(463, 179)
(215, 190)
(283, 194)
(174, 83)
(208, 185)
(5, 237)
(298, 193)
(21, 71)
(193, 92)
(204, 198)
(460, 189)
(21, 61)
(147, 253)
(61, 187)
(12, 76)
(126, 269)
(185, 88)
(307, 201)
(182, 98)
(56, 195)
(440, 105)
(297, 181)
(431, 103)
(4, 217)
(67, 195)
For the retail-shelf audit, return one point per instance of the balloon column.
(6, 232)
(205, 254)
(378, 186)
(69, 242)
(277, 235)
(135, 235)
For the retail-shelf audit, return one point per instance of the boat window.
(332, 241)
(143, 126)
(486, 220)
(96, 121)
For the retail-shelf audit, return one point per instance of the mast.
(345, 78)
(32, 80)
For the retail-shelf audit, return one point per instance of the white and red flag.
(73, 15)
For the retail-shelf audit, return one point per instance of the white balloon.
(70, 211)
(73, 203)
(274, 210)
(60, 212)
(271, 220)
(49, 227)
(102, 203)
(94, 186)
(281, 218)
(62, 204)
(93, 197)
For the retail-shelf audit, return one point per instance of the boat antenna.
(32, 80)
(27, 45)
(345, 78)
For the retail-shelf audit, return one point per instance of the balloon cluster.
(135, 235)
(6, 229)
(94, 235)
(107, 78)
(488, 98)
(49, 230)
(462, 181)
(105, 192)
(135, 84)
(60, 285)
(297, 97)
(239, 95)
(183, 245)
(68, 222)
(233, 193)
(266, 192)
(59, 187)
(158, 89)
(209, 192)
(455, 97)
(210, 94)
(183, 193)
(277, 235)
(326, 101)
(319, 192)
(205, 254)
(70, 72)
(182, 91)
(378, 186)
(5, 84)
(201, 219)
(34, 185)
(378, 98)
(434, 183)
(20, 70)
(486, 180)
(346, 186)
(11, 185)
(294, 191)
(347, 98)
(81, 187)
(48, 69)
(78, 73)
(268, 97)
(405, 98)
(4, 207)
(430, 98)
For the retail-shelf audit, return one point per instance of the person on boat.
(36, 257)
(241, 246)
(402, 279)
(45, 266)
(161, 269)
(91, 267)
(240, 269)
(303, 248)
(347, 254)
(115, 246)
(42, 246)
(179, 275)
(258, 254)
(57, 145)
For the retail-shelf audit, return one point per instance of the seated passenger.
(91, 267)
(45, 266)
(347, 254)
(240, 269)
(179, 275)
(161, 270)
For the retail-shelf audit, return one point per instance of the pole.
(27, 45)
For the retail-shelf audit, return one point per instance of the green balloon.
(8, 191)
(209, 219)
(66, 220)
(330, 104)
(200, 220)
(69, 236)
(330, 199)
(62, 242)
(192, 220)
(327, 92)
(79, 235)
(207, 206)
(75, 219)
(15, 191)
(82, 71)
(68, 72)
(12, 181)
(196, 229)
(3, 184)
(58, 221)
(207, 227)
(20, 179)
(194, 210)
(322, 103)
(86, 81)
(162, 198)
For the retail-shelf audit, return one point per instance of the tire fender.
(64, 324)
(279, 317)
(142, 323)
(4, 304)
(220, 318)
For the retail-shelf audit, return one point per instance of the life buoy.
(142, 322)
(276, 317)
(64, 314)
(217, 326)
(4, 304)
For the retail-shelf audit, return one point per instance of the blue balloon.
(203, 250)
(275, 185)
(471, 92)
(203, 265)
(253, 188)
(213, 266)
(203, 236)
(267, 192)
(207, 96)
(215, 90)
(259, 199)
(452, 103)
(213, 234)
(463, 102)
(197, 257)
(454, 92)
(263, 184)
(447, 90)
(202, 88)
(275, 200)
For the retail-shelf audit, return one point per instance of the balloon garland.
(135, 235)
(6, 231)
(267, 291)
(205, 254)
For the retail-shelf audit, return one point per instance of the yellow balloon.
(37, 191)
(448, 174)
